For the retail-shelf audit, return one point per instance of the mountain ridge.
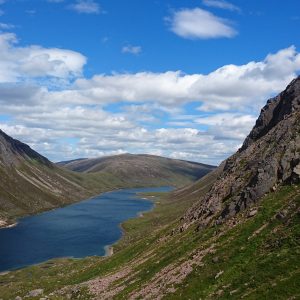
(140, 167)
(269, 157)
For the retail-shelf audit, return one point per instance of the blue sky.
(184, 79)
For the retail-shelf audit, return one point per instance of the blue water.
(78, 230)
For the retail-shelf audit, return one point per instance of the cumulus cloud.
(229, 87)
(132, 49)
(36, 61)
(86, 7)
(221, 4)
(76, 120)
(198, 23)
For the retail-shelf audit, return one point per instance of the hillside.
(30, 183)
(234, 234)
(142, 168)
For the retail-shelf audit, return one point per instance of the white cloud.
(76, 120)
(221, 4)
(36, 61)
(132, 49)
(198, 23)
(232, 126)
(230, 87)
(86, 7)
(5, 26)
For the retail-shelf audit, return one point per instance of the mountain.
(142, 168)
(31, 183)
(270, 156)
(233, 234)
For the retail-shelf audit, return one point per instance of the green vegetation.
(249, 258)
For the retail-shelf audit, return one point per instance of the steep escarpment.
(276, 110)
(270, 156)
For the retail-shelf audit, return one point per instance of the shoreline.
(109, 249)
(6, 224)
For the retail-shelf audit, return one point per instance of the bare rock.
(36, 293)
(219, 274)
(269, 157)
(252, 213)
(215, 259)
(282, 214)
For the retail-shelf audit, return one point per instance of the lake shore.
(123, 206)
(7, 224)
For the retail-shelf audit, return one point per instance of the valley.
(226, 236)
(30, 183)
(149, 150)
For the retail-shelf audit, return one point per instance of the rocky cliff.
(269, 157)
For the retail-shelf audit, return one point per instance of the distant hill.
(142, 168)
(30, 183)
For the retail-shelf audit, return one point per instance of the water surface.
(78, 230)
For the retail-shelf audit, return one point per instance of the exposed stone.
(35, 293)
(215, 259)
(252, 213)
(282, 215)
(18, 298)
(297, 170)
(219, 274)
(269, 157)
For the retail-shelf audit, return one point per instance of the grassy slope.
(141, 168)
(257, 258)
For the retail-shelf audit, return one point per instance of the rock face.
(276, 110)
(269, 156)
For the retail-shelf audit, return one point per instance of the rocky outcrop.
(269, 157)
(276, 110)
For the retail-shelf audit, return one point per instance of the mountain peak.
(270, 156)
(12, 150)
(276, 110)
